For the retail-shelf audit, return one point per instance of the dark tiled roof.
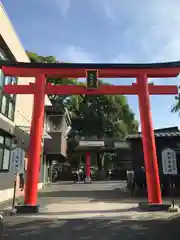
(91, 65)
(157, 134)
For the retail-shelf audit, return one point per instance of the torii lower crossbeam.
(80, 90)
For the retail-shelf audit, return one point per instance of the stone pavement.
(101, 210)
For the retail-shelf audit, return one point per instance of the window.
(1, 78)
(1, 140)
(5, 147)
(8, 142)
(3, 104)
(8, 106)
(7, 80)
(2, 55)
(10, 110)
(6, 158)
(13, 80)
(7, 101)
(1, 157)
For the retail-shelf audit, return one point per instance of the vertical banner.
(169, 163)
(17, 160)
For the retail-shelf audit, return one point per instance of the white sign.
(17, 160)
(91, 143)
(169, 163)
(121, 145)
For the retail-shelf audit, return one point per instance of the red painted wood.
(102, 73)
(78, 90)
(88, 165)
(149, 146)
(19, 89)
(142, 89)
(34, 150)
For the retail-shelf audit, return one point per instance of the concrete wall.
(53, 145)
(58, 143)
(7, 183)
(64, 137)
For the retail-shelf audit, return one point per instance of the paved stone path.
(101, 210)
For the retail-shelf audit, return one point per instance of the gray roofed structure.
(164, 132)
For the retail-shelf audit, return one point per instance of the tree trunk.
(99, 161)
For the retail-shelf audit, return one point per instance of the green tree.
(55, 99)
(103, 116)
(40, 59)
(176, 107)
(99, 116)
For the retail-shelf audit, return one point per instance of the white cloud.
(122, 58)
(72, 53)
(63, 6)
(148, 30)
(77, 54)
(152, 32)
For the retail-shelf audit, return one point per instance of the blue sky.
(104, 31)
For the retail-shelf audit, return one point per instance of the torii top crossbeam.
(78, 70)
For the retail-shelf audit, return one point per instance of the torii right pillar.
(149, 146)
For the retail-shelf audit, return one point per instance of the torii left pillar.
(34, 151)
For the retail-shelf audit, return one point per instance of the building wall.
(53, 146)
(64, 143)
(8, 33)
(161, 143)
(6, 177)
(57, 126)
(172, 143)
(23, 102)
(11, 44)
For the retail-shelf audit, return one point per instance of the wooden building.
(166, 138)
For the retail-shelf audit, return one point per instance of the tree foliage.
(102, 116)
(99, 116)
(176, 106)
(55, 99)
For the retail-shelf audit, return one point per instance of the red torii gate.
(65, 70)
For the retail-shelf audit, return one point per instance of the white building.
(15, 110)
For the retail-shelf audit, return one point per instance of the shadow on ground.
(89, 192)
(112, 195)
(17, 228)
(84, 212)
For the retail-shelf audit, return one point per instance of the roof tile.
(156, 134)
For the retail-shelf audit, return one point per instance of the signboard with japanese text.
(92, 78)
(169, 163)
(91, 143)
(17, 160)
